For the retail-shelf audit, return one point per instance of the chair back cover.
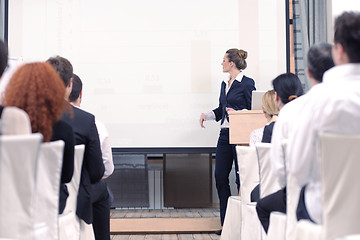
(18, 159)
(47, 189)
(69, 222)
(73, 186)
(248, 170)
(340, 157)
(268, 182)
(292, 198)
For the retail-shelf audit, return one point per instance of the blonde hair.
(268, 103)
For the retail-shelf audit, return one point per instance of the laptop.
(256, 100)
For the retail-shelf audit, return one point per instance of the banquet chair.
(47, 188)
(241, 219)
(267, 180)
(232, 221)
(69, 224)
(292, 198)
(18, 159)
(340, 194)
(350, 237)
(249, 178)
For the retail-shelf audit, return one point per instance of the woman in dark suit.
(235, 94)
(39, 91)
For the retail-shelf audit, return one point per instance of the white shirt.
(284, 124)
(333, 106)
(256, 136)
(211, 115)
(105, 148)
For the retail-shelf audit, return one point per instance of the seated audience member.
(319, 60)
(13, 120)
(43, 100)
(75, 99)
(93, 198)
(333, 106)
(287, 87)
(270, 113)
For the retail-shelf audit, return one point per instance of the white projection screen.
(150, 67)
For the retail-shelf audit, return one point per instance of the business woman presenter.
(235, 94)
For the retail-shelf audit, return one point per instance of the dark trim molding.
(287, 10)
(6, 21)
(159, 150)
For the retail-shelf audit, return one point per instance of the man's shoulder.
(82, 113)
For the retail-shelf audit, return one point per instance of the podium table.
(242, 123)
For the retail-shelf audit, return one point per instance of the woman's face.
(226, 64)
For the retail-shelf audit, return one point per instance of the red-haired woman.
(38, 90)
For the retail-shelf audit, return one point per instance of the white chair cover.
(69, 225)
(47, 189)
(340, 194)
(268, 182)
(350, 237)
(18, 159)
(292, 199)
(86, 231)
(277, 227)
(340, 190)
(249, 171)
(232, 223)
(306, 230)
(249, 179)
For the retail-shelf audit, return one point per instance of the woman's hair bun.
(242, 54)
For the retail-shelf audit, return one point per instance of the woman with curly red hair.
(39, 91)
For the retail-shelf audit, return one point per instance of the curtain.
(310, 27)
(2, 19)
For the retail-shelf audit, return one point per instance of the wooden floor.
(174, 215)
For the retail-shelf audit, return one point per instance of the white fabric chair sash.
(47, 189)
(268, 182)
(340, 194)
(69, 225)
(18, 159)
(249, 179)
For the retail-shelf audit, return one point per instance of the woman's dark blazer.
(237, 98)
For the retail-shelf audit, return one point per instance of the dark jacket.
(238, 97)
(83, 124)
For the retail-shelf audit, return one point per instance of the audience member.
(287, 87)
(333, 106)
(319, 60)
(235, 94)
(75, 99)
(270, 113)
(13, 120)
(93, 198)
(43, 100)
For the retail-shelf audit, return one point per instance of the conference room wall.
(151, 67)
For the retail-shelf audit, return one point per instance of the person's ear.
(70, 83)
(276, 97)
(308, 72)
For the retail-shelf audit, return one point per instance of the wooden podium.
(242, 123)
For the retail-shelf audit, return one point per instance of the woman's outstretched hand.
(202, 119)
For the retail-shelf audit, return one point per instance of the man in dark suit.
(93, 198)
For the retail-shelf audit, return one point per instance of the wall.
(150, 68)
